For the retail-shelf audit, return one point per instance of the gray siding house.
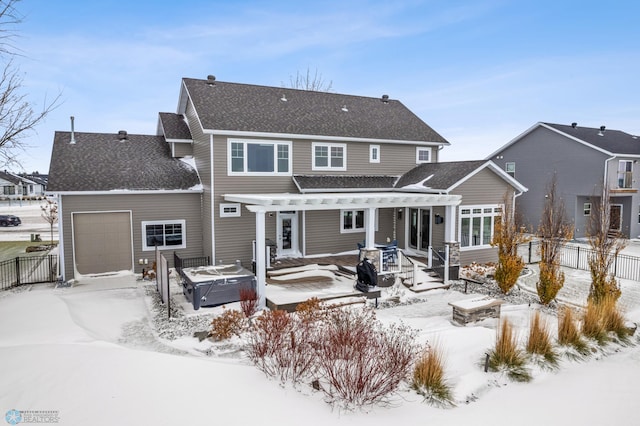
(583, 160)
(239, 168)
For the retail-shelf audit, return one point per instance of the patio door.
(615, 217)
(419, 229)
(287, 234)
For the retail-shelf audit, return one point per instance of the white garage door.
(102, 242)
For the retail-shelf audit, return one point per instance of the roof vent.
(73, 134)
(122, 135)
(283, 98)
(601, 132)
(574, 124)
(211, 80)
(344, 108)
(385, 99)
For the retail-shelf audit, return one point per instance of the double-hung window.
(329, 156)
(510, 168)
(259, 158)
(477, 224)
(169, 234)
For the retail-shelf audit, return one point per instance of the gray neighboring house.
(316, 173)
(583, 159)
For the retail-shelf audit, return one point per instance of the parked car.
(9, 220)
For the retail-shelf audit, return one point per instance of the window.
(230, 210)
(329, 156)
(164, 234)
(354, 221)
(374, 153)
(9, 190)
(587, 209)
(423, 155)
(261, 158)
(625, 174)
(510, 168)
(477, 224)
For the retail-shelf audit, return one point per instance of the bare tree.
(507, 237)
(50, 214)
(307, 81)
(606, 244)
(554, 230)
(18, 118)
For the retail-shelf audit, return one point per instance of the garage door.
(102, 242)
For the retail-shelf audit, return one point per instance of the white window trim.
(512, 172)
(584, 209)
(236, 213)
(496, 210)
(420, 149)
(275, 143)
(182, 222)
(372, 149)
(357, 230)
(329, 145)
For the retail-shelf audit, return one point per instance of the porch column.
(261, 267)
(370, 221)
(450, 223)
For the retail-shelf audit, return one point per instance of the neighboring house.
(583, 159)
(314, 172)
(14, 186)
(40, 182)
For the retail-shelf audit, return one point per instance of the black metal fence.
(189, 262)
(577, 257)
(28, 270)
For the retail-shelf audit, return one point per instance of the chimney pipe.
(574, 124)
(122, 135)
(73, 136)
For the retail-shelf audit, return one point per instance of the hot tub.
(215, 285)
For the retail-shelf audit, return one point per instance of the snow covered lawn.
(101, 353)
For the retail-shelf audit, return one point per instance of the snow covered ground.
(103, 353)
(30, 214)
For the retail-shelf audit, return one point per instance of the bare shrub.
(506, 356)
(361, 362)
(282, 346)
(310, 310)
(230, 322)
(248, 301)
(429, 377)
(539, 342)
(568, 332)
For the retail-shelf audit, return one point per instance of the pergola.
(260, 204)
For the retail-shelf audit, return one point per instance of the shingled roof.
(263, 109)
(438, 176)
(612, 141)
(104, 162)
(329, 183)
(173, 127)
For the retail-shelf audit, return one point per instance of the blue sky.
(478, 72)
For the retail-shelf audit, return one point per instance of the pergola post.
(261, 267)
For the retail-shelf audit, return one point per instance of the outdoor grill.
(215, 285)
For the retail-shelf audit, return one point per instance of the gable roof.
(173, 127)
(610, 142)
(102, 162)
(444, 177)
(14, 179)
(329, 183)
(233, 108)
